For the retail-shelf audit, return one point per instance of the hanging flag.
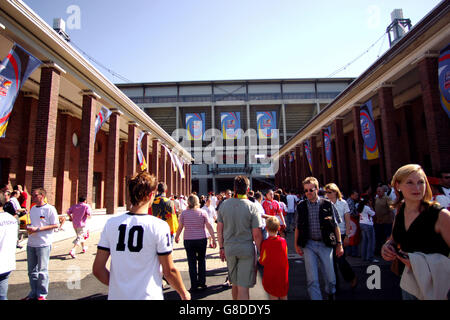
(230, 123)
(291, 156)
(176, 163)
(369, 135)
(308, 154)
(14, 71)
(444, 78)
(172, 160)
(327, 145)
(140, 154)
(101, 118)
(195, 125)
(267, 124)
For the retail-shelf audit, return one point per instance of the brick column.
(63, 190)
(87, 140)
(162, 166)
(438, 123)
(362, 167)
(154, 165)
(45, 137)
(132, 161)
(298, 168)
(341, 155)
(390, 139)
(32, 103)
(326, 171)
(112, 170)
(169, 176)
(315, 158)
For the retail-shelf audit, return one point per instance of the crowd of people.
(406, 221)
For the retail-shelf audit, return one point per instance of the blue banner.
(230, 123)
(101, 118)
(308, 154)
(368, 132)
(14, 71)
(327, 146)
(195, 125)
(267, 124)
(444, 78)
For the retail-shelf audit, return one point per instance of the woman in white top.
(212, 217)
(367, 232)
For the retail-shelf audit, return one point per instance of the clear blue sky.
(182, 40)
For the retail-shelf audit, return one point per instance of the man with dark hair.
(238, 231)
(445, 182)
(316, 234)
(78, 214)
(164, 209)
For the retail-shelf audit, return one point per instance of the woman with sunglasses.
(333, 193)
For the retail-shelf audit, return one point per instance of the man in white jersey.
(44, 219)
(8, 238)
(139, 245)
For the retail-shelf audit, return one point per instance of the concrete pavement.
(72, 279)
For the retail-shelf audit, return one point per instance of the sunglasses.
(310, 190)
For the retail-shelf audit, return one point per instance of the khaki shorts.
(242, 270)
(81, 232)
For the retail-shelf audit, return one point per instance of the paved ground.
(72, 279)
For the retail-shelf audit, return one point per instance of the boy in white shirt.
(139, 245)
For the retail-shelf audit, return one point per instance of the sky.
(192, 40)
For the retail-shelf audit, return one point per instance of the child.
(275, 261)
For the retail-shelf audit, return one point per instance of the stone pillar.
(438, 123)
(87, 140)
(112, 170)
(45, 137)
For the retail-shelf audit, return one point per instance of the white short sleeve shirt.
(134, 242)
(42, 216)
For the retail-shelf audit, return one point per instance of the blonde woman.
(420, 225)
(194, 220)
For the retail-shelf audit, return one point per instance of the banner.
(291, 156)
(195, 125)
(230, 123)
(176, 162)
(444, 79)
(101, 118)
(266, 123)
(308, 154)
(140, 154)
(327, 146)
(369, 135)
(14, 71)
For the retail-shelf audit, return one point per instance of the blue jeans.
(290, 220)
(4, 285)
(313, 252)
(38, 259)
(367, 242)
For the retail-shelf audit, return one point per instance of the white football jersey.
(134, 242)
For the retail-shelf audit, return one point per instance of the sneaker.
(72, 253)
(41, 298)
(86, 235)
(84, 249)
